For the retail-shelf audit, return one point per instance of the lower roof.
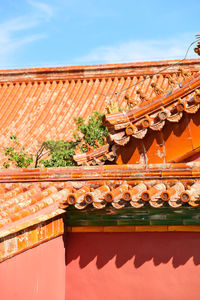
(31, 196)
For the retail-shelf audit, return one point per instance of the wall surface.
(95, 266)
(36, 274)
(133, 266)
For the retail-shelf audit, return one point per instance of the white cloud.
(140, 50)
(9, 45)
(17, 32)
(43, 8)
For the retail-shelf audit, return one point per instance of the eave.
(35, 204)
(96, 156)
(70, 186)
(154, 114)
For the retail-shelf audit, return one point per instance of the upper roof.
(40, 104)
(155, 112)
(148, 130)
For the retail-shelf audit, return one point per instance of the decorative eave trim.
(154, 115)
(97, 156)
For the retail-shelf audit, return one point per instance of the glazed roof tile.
(155, 113)
(98, 156)
(30, 196)
(165, 109)
(40, 104)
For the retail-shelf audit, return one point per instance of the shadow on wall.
(178, 247)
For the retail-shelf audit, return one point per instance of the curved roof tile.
(40, 104)
(27, 194)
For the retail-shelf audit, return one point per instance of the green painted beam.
(132, 216)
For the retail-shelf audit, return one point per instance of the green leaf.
(60, 153)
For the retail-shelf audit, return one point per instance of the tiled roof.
(136, 195)
(21, 200)
(33, 201)
(180, 105)
(40, 104)
(155, 113)
(28, 195)
(98, 156)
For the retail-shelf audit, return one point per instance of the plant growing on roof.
(93, 131)
(86, 134)
(17, 154)
(60, 153)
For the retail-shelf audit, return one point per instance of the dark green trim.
(132, 216)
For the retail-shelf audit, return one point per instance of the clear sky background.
(74, 32)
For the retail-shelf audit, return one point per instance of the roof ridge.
(91, 71)
(92, 172)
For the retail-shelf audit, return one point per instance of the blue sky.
(74, 32)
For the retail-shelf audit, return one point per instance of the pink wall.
(36, 274)
(133, 266)
(106, 266)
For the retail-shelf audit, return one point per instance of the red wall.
(106, 266)
(135, 266)
(36, 274)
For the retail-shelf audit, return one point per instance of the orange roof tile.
(26, 195)
(155, 113)
(39, 104)
(33, 201)
(97, 156)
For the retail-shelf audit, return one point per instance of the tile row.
(154, 115)
(102, 172)
(97, 156)
(137, 196)
(25, 200)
